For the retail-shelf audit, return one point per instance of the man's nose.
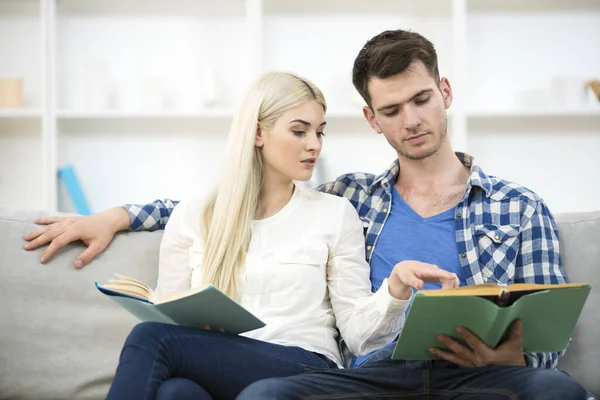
(411, 117)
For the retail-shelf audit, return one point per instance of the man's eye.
(391, 114)
(422, 101)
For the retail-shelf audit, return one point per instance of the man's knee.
(554, 384)
(274, 388)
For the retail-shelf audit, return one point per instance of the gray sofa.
(60, 338)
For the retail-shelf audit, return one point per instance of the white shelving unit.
(138, 94)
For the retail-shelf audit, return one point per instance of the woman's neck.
(274, 195)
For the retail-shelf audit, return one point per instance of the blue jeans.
(382, 378)
(161, 361)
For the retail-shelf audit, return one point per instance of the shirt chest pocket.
(498, 247)
(298, 274)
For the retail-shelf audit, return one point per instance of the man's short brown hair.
(391, 53)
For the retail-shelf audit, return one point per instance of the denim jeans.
(161, 361)
(380, 377)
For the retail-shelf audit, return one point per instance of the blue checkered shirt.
(504, 232)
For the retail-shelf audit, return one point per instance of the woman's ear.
(258, 138)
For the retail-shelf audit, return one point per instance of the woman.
(292, 256)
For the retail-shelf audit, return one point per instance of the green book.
(548, 315)
(194, 308)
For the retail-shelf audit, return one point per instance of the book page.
(484, 289)
(493, 289)
(515, 287)
(130, 286)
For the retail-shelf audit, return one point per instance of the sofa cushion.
(580, 249)
(59, 337)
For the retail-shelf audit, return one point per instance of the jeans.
(380, 377)
(161, 361)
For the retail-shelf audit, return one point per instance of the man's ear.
(446, 90)
(258, 137)
(370, 117)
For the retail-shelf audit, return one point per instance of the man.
(431, 205)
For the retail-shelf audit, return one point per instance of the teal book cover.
(195, 309)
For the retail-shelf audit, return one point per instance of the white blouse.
(305, 275)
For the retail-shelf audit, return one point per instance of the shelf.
(547, 121)
(348, 113)
(19, 8)
(345, 113)
(533, 5)
(408, 7)
(549, 113)
(156, 8)
(132, 115)
(15, 113)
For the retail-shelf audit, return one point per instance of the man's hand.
(96, 231)
(477, 354)
(414, 274)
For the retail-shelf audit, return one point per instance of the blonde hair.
(230, 209)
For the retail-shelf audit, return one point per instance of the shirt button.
(458, 215)
(385, 210)
(369, 247)
(463, 255)
(497, 237)
(248, 299)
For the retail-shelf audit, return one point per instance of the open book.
(195, 308)
(548, 314)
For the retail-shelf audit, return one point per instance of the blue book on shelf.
(68, 176)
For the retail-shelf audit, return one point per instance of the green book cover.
(548, 315)
(208, 306)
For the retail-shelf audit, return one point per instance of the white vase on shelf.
(570, 92)
(152, 94)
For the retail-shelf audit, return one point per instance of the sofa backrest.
(60, 338)
(580, 249)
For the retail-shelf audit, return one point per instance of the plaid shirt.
(504, 232)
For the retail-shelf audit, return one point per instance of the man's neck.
(274, 195)
(441, 169)
(433, 185)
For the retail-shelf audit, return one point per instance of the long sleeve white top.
(305, 275)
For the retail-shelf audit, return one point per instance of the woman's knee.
(147, 334)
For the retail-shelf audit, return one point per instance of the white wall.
(512, 61)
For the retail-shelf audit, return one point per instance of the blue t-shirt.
(408, 236)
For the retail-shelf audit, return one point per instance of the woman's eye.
(299, 133)
(321, 134)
